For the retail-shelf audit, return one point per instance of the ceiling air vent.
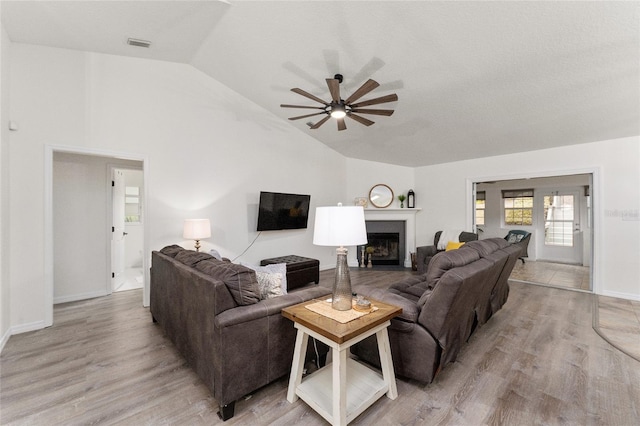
(138, 43)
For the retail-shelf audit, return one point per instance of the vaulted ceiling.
(474, 79)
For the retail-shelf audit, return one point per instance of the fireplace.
(387, 240)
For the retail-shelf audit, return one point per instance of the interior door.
(118, 233)
(560, 225)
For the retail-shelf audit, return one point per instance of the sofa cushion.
(410, 288)
(486, 247)
(171, 250)
(192, 258)
(240, 280)
(446, 260)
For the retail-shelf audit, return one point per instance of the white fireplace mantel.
(406, 215)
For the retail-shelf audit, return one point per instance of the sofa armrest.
(423, 257)
(410, 309)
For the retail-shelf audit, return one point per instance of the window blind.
(517, 193)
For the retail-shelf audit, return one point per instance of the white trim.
(48, 236)
(619, 295)
(76, 297)
(48, 220)
(23, 328)
(391, 210)
(5, 339)
(596, 210)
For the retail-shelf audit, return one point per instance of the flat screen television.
(278, 211)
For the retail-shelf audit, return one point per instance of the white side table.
(342, 390)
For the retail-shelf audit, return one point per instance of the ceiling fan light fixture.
(338, 108)
(338, 111)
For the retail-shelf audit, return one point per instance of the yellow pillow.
(453, 245)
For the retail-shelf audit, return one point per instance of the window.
(480, 205)
(518, 207)
(558, 220)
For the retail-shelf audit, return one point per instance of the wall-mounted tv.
(282, 211)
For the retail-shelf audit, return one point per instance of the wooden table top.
(334, 330)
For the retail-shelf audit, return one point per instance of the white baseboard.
(619, 295)
(23, 328)
(76, 297)
(5, 339)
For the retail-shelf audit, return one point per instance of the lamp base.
(197, 245)
(342, 298)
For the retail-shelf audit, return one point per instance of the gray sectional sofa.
(461, 290)
(211, 310)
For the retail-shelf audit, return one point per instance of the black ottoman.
(300, 270)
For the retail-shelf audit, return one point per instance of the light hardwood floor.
(553, 274)
(537, 361)
(616, 320)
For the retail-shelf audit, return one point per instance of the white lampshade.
(339, 226)
(196, 229)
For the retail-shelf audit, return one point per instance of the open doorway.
(79, 223)
(127, 191)
(556, 211)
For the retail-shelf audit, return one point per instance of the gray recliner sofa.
(234, 341)
(461, 290)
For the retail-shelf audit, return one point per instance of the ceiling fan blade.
(321, 122)
(299, 106)
(334, 89)
(308, 95)
(360, 120)
(386, 112)
(368, 86)
(305, 116)
(341, 124)
(380, 100)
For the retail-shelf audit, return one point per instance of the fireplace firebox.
(386, 241)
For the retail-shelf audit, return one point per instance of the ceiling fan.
(339, 108)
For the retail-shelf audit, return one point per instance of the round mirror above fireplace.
(381, 195)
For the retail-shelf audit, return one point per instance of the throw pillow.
(270, 284)
(274, 268)
(215, 253)
(452, 245)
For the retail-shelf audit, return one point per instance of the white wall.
(5, 318)
(616, 200)
(209, 154)
(362, 175)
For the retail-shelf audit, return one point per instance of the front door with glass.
(560, 225)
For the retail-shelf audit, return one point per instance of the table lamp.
(340, 226)
(196, 229)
